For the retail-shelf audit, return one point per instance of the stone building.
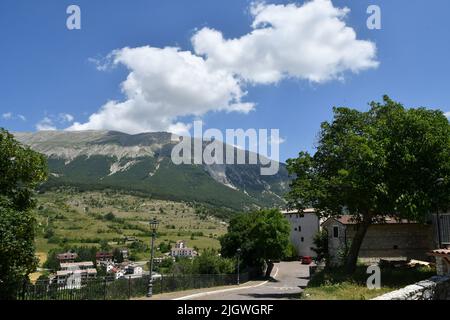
(391, 239)
(304, 226)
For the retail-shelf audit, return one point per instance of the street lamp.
(438, 183)
(154, 226)
(238, 251)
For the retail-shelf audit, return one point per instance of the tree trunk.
(352, 258)
(269, 268)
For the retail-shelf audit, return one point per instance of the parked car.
(306, 260)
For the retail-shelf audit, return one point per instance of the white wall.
(309, 226)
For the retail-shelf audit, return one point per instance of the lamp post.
(154, 226)
(438, 183)
(238, 251)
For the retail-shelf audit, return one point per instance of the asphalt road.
(288, 281)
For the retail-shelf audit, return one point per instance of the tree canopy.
(261, 235)
(388, 161)
(21, 170)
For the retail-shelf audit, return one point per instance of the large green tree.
(262, 236)
(21, 170)
(389, 161)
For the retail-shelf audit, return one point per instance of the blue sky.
(48, 71)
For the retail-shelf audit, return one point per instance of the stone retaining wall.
(435, 288)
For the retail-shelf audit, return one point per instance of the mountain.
(95, 160)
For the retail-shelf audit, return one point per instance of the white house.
(119, 274)
(133, 269)
(304, 226)
(181, 250)
(73, 274)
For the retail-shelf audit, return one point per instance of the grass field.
(86, 219)
(334, 284)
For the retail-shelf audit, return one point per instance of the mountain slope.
(93, 160)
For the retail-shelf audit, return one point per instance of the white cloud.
(65, 117)
(310, 42)
(12, 116)
(447, 114)
(102, 63)
(45, 124)
(163, 85)
(7, 115)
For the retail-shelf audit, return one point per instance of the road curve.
(288, 281)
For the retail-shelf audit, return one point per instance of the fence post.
(24, 283)
(104, 289)
(129, 287)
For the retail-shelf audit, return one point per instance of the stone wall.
(384, 241)
(411, 241)
(435, 288)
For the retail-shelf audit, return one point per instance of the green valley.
(70, 218)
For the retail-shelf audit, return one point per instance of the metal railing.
(121, 289)
(444, 226)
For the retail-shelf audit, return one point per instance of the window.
(295, 229)
(335, 232)
(299, 228)
(302, 239)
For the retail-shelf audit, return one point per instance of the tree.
(117, 255)
(182, 265)
(104, 245)
(209, 262)
(262, 236)
(320, 242)
(109, 216)
(376, 164)
(21, 170)
(84, 253)
(52, 261)
(290, 253)
(49, 233)
(164, 247)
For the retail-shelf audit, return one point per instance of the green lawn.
(333, 284)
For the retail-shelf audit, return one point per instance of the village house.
(133, 269)
(103, 258)
(390, 239)
(73, 274)
(304, 226)
(67, 257)
(124, 269)
(181, 250)
(117, 272)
